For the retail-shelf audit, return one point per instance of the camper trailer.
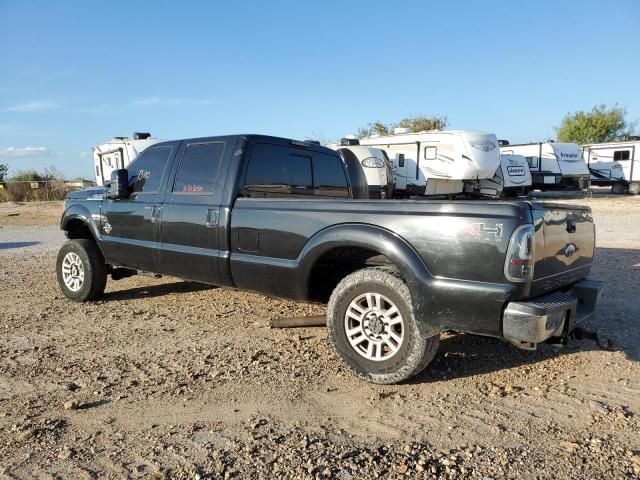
(437, 162)
(553, 166)
(512, 179)
(615, 164)
(374, 163)
(119, 152)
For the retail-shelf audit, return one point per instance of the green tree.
(601, 124)
(422, 123)
(27, 176)
(4, 169)
(419, 123)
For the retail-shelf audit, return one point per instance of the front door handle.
(571, 226)
(156, 211)
(212, 217)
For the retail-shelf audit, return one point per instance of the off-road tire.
(416, 350)
(95, 270)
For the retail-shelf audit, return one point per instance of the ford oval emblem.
(569, 250)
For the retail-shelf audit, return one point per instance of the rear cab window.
(278, 171)
(198, 168)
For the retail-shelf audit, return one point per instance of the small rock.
(71, 405)
(598, 406)
(569, 447)
(402, 468)
(66, 453)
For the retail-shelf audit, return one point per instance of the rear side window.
(278, 170)
(146, 171)
(621, 155)
(329, 179)
(198, 168)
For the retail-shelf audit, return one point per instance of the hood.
(86, 193)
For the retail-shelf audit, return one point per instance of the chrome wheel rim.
(374, 327)
(72, 271)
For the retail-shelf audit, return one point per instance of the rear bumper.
(525, 324)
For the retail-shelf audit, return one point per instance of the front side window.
(274, 169)
(198, 168)
(621, 155)
(146, 171)
(329, 179)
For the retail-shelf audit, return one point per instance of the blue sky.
(75, 74)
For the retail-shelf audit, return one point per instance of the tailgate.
(564, 245)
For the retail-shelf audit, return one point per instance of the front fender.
(83, 214)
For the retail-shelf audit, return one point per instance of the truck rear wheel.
(81, 270)
(634, 188)
(372, 327)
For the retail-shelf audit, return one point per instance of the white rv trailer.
(375, 165)
(437, 162)
(512, 179)
(615, 164)
(554, 166)
(119, 152)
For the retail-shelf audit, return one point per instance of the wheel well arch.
(76, 228)
(335, 264)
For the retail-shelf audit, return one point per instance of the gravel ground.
(171, 379)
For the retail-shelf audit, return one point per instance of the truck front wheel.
(371, 325)
(81, 271)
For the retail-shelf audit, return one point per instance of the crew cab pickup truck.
(287, 219)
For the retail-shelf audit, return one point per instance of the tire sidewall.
(404, 360)
(85, 290)
(634, 188)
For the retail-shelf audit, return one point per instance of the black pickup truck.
(286, 218)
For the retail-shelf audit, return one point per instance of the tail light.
(518, 266)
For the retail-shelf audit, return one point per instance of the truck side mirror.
(119, 186)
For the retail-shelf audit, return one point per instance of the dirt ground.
(171, 379)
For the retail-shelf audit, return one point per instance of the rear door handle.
(571, 226)
(212, 217)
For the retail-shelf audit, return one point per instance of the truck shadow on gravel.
(465, 355)
(10, 245)
(158, 290)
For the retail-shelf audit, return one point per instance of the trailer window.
(198, 168)
(621, 155)
(277, 170)
(430, 153)
(533, 162)
(146, 171)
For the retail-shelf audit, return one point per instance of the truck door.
(191, 212)
(131, 227)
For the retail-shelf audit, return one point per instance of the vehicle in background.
(375, 164)
(553, 166)
(281, 217)
(437, 162)
(512, 179)
(118, 153)
(615, 164)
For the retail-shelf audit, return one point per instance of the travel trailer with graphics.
(615, 164)
(512, 179)
(553, 166)
(119, 153)
(437, 162)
